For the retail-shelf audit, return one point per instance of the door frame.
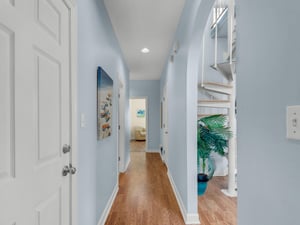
(121, 131)
(165, 125)
(72, 6)
(147, 118)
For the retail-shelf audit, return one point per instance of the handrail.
(217, 15)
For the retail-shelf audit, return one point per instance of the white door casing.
(36, 109)
(121, 129)
(165, 125)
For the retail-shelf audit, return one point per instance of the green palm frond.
(213, 135)
(214, 121)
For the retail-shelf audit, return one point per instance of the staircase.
(215, 87)
(226, 91)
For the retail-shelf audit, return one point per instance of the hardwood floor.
(214, 207)
(137, 146)
(145, 197)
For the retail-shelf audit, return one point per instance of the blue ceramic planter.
(202, 188)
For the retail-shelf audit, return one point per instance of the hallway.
(137, 146)
(146, 197)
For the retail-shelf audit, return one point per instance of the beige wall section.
(135, 105)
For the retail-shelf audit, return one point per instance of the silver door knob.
(73, 170)
(66, 149)
(66, 171)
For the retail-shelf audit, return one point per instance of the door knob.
(66, 171)
(66, 149)
(72, 170)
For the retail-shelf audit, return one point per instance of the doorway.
(138, 124)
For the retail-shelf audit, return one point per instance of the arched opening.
(211, 62)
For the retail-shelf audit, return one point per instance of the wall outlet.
(293, 122)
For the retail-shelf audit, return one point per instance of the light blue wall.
(151, 90)
(181, 78)
(97, 170)
(182, 112)
(267, 81)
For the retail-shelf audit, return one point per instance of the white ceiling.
(145, 23)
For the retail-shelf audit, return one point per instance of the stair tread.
(216, 84)
(225, 69)
(210, 114)
(213, 101)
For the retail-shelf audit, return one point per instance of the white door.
(165, 126)
(34, 112)
(121, 130)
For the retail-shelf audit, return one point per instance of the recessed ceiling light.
(145, 50)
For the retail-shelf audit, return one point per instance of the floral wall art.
(104, 104)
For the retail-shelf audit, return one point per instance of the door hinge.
(119, 158)
(119, 127)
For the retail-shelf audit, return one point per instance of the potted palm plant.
(213, 135)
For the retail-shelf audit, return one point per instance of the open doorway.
(138, 124)
(217, 111)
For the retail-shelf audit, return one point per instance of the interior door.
(121, 130)
(34, 112)
(165, 126)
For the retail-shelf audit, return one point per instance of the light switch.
(293, 122)
(82, 120)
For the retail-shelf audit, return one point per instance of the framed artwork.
(104, 104)
(140, 113)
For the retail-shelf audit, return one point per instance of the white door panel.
(165, 125)
(35, 112)
(6, 100)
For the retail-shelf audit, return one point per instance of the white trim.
(121, 123)
(127, 164)
(153, 150)
(189, 218)
(192, 218)
(72, 6)
(124, 169)
(108, 206)
(161, 157)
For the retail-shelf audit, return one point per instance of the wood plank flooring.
(137, 146)
(145, 197)
(214, 207)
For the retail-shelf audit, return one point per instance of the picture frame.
(104, 104)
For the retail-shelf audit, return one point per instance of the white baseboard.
(153, 150)
(127, 164)
(108, 205)
(162, 159)
(124, 169)
(189, 218)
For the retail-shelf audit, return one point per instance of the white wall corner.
(189, 218)
(108, 205)
(127, 164)
(124, 169)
